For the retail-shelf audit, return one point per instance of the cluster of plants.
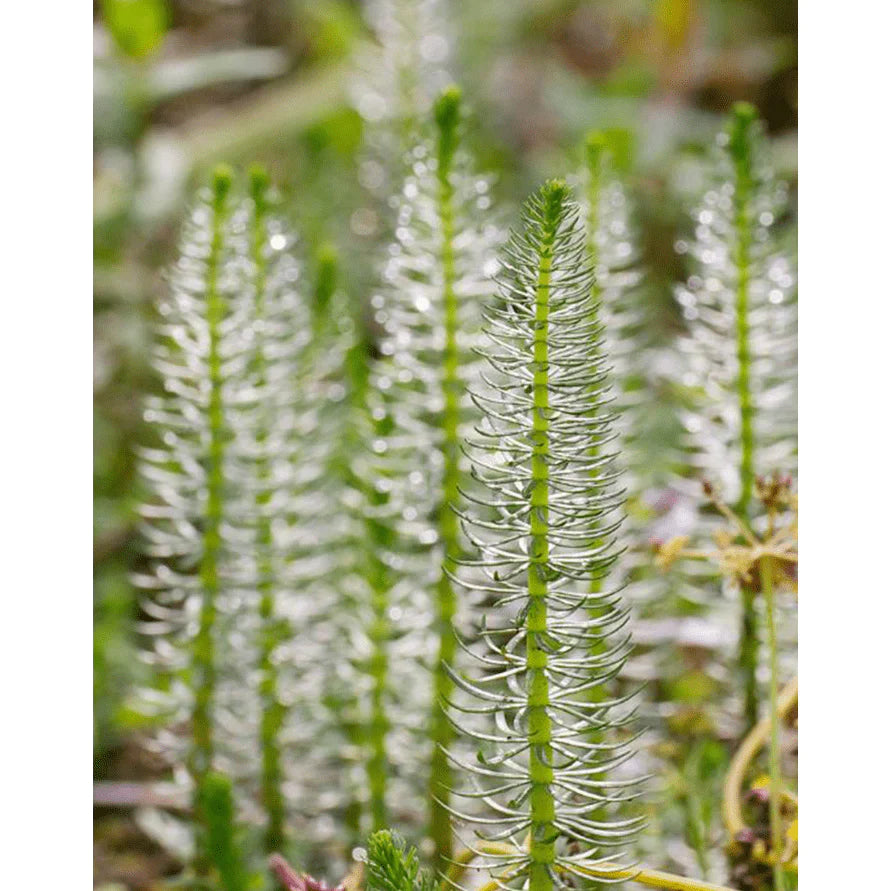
(396, 544)
(390, 579)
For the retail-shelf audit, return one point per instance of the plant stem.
(744, 117)
(731, 809)
(203, 665)
(447, 115)
(272, 712)
(379, 723)
(223, 847)
(776, 827)
(378, 541)
(651, 878)
(542, 853)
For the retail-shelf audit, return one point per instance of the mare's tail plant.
(223, 842)
(185, 529)
(430, 308)
(542, 453)
(268, 454)
(392, 866)
(739, 303)
(218, 530)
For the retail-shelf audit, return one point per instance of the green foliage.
(222, 842)
(137, 26)
(393, 866)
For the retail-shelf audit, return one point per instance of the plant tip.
(222, 181)
(259, 181)
(447, 107)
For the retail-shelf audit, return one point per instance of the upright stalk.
(744, 116)
(378, 541)
(272, 712)
(378, 668)
(541, 775)
(203, 663)
(776, 827)
(447, 112)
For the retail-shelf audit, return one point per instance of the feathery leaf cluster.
(392, 866)
(547, 641)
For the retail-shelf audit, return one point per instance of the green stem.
(203, 666)
(776, 827)
(379, 540)
(542, 852)
(379, 723)
(272, 712)
(223, 847)
(447, 114)
(744, 117)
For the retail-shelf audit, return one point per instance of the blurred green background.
(182, 84)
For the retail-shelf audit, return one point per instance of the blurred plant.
(762, 556)
(397, 83)
(188, 476)
(614, 256)
(539, 454)
(223, 846)
(218, 532)
(741, 342)
(434, 287)
(137, 26)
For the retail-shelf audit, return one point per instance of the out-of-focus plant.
(137, 26)
(614, 256)
(430, 307)
(218, 533)
(762, 555)
(398, 82)
(186, 532)
(741, 343)
(222, 842)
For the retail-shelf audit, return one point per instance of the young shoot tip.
(221, 181)
(258, 177)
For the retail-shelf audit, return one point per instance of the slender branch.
(649, 877)
(652, 878)
(731, 808)
(776, 828)
(447, 114)
(743, 120)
